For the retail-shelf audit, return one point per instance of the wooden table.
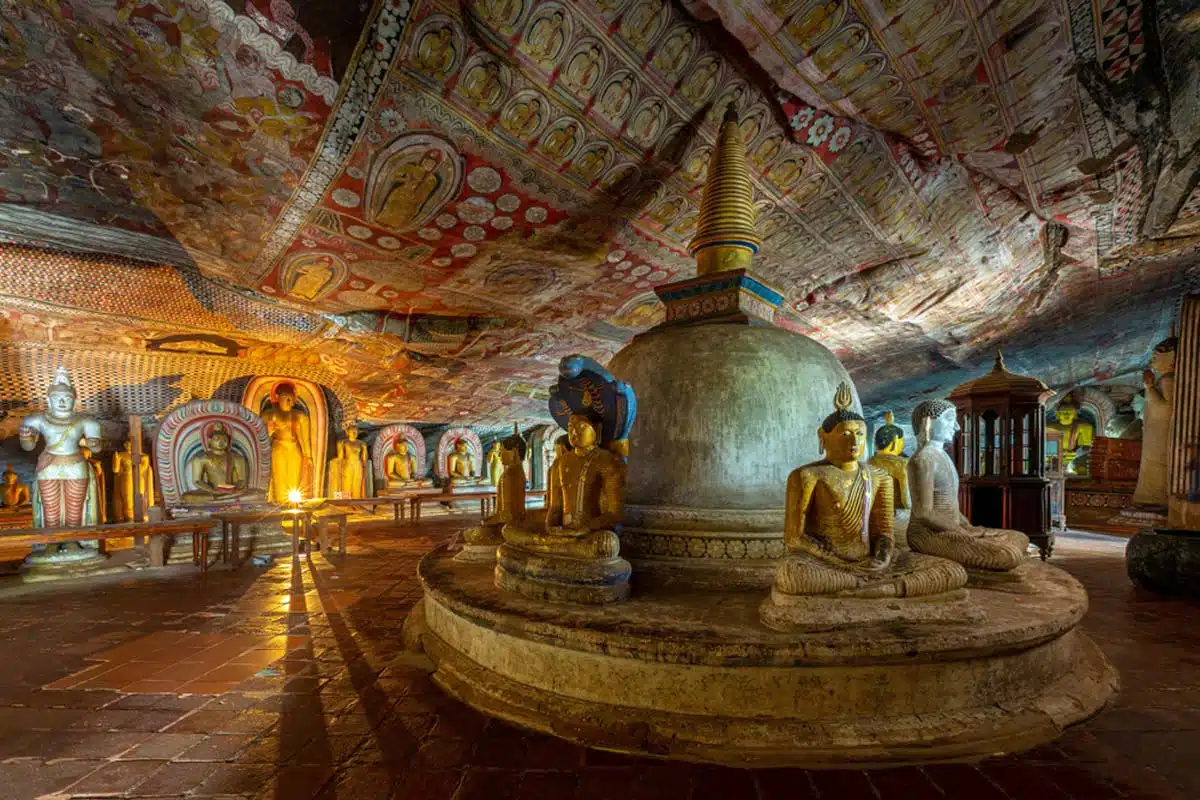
(487, 502)
(326, 516)
(198, 528)
(232, 521)
(397, 503)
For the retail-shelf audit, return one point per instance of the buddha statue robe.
(291, 445)
(495, 464)
(1157, 415)
(348, 475)
(937, 527)
(510, 503)
(838, 525)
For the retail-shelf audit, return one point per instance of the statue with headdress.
(889, 457)
(65, 492)
(574, 555)
(839, 536)
(481, 542)
(937, 527)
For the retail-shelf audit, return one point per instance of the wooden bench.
(232, 522)
(487, 502)
(324, 518)
(198, 528)
(397, 503)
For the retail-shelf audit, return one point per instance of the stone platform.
(694, 675)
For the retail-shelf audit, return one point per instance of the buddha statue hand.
(1148, 378)
(575, 543)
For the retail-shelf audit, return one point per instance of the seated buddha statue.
(15, 494)
(937, 528)
(400, 466)
(838, 528)
(218, 472)
(481, 542)
(889, 457)
(459, 465)
(1077, 433)
(573, 555)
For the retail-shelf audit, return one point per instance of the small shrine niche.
(1000, 453)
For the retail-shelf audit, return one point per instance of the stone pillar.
(1183, 501)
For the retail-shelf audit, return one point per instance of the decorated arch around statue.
(385, 440)
(184, 431)
(446, 444)
(260, 396)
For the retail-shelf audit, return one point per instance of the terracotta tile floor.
(278, 686)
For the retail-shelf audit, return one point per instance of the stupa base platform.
(694, 675)
(561, 579)
(478, 553)
(784, 612)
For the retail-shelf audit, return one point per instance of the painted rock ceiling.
(433, 201)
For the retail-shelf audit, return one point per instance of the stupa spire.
(726, 236)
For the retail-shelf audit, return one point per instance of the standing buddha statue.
(349, 473)
(937, 527)
(291, 443)
(481, 542)
(124, 482)
(889, 457)
(1159, 411)
(494, 464)
(65, 492)
(838, 532)
(101, 485)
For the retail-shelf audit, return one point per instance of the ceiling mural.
(435, 200)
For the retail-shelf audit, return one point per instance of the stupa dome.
(728, 403)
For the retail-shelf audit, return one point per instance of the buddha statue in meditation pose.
(400, 465)
(1077, 433)
(838, 525)
(481, 542)
(574, 555)
(218, 472)
(15, 494)
(459, 465)
(937, 527)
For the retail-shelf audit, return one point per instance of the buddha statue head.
(10, 477)
(60, 397)
(843, 434)
(461, 447)
(284, 395)
(1162, 360)
(352, 433)
(218, 439)
(889, 439)
(582, 432)
(935, 421)
(1067, 410)
(512, 449)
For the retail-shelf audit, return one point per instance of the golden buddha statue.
(291, 442)
(573, 556)
(1077, 435)
(481, 542)
(101, 486)
(838, 525)
(350, 466)
(459, 465)
(400, 465)
(889, 457)
(1157, 414)
(218, 473)
(495, 464)
(937, 527)
(15, 494)
(123, 483)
